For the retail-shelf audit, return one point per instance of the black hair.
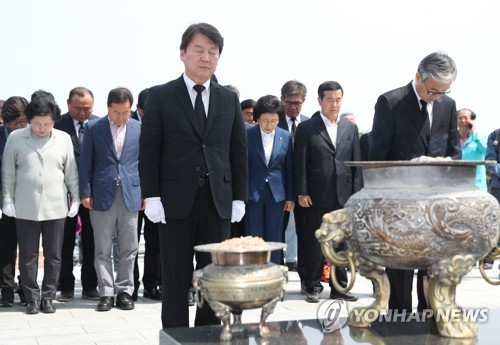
(43, 105)
(267, 104)
(120, 95)
(205, 29)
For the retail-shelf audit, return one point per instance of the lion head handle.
(335, 229)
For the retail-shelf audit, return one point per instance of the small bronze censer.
(240, 277)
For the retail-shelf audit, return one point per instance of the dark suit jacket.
(279, 171)
(316, 160)
(365, 147)
(100, 166)
(173, 149)
(134, 115)
(396, 132)
(284, 125)
(65, 124)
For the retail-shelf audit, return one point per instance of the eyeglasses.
(293, 104)
(22, 122)
(266, 122)
(435, 93)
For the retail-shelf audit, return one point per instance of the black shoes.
(7, 297)
(92, 295)
(124, 301)
(66, 296)
(292, 266)
(105, 303)
(33, 307)
(345, 296)
(191, 300)
(153, 294)
(47, 307)
(313, 297)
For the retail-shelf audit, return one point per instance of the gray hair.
(294, 87)
(439, 66)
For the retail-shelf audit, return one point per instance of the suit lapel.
(182, 95)
(277, 144)
(321, 129)
(436, 115)
(215, 101)
(341, 131)
(30, 141)
(414, 112)
(257, 141)
(130, 133)
(72, 133)
(106, 134)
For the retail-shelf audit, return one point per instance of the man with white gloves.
(193, 161)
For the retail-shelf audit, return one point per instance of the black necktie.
(81, 131)
(426, 130)
(199, 108)
(294, 127)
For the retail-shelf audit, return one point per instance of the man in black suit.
(193, 161)
(323, 182)
(80, 105)
(151, 276)
(412, 121)
(293, 96)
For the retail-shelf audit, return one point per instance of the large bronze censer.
(239, 279)
(415, 215)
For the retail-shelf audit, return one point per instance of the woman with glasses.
(40, 188)
(270, 170)
(14, 117)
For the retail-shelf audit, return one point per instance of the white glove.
(73, 210)
(0, 214)
(154, 210)
(238, 211)
(9, 209)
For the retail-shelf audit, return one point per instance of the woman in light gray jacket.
(40, 188)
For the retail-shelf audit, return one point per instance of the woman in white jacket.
(40, 188)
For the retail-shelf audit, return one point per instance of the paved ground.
(77, 322)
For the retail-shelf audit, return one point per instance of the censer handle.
(197, 275)
(493, 255)
(335, 229)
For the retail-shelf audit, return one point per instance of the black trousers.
(401, 282)
(177, 239)
(8, 252)
(151, 277)
(28, 235)
(88, 274)
(310, 256)
(300, 229)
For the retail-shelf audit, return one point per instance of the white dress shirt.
(430, 105)
(118, 134)
(331, 128)
(267, 142)
(205, 95)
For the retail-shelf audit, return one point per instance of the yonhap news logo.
(440, 315)
(332, 315)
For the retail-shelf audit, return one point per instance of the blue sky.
(369, 47)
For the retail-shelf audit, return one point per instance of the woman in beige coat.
(40, 188)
